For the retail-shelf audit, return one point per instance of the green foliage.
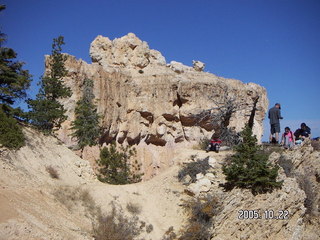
(11, 135)
(115, 167)
(249, 168)
(86, 125)
(46, 111)
(46, 114)
(52, 83)
(14, 81)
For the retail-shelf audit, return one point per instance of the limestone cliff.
(144, 101)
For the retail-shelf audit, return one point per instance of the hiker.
(288, 138)
(274, 115)
(303, 132)
(214, 144)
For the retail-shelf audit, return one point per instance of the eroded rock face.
(125, 52)
(143, 101)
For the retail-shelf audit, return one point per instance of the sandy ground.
(29, 204)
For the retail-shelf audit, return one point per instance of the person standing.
(274, 115)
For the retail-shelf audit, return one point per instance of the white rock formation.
(198, 66)
(155, 106)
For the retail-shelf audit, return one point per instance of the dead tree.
(219, 116)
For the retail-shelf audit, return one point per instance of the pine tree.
(11, 135)
(14, 81)
(114, 166)
(249, 168)
(86, 125)
(46, 111)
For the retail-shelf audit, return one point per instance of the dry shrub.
(149, 228)
(305, 183)
(203, 143)
(65, 196)
(287, 166)
(112, 226)
(202, 210)
(316, 145)
(116, 226)
(134, 208)
(169, 234)
(53, 172)
(268, 148)
(75, 198)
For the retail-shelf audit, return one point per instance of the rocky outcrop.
(127, 52)
(291, 212)
(145, 102)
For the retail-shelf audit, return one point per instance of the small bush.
(202, 211)
(115, 167)
(306, 185)
(73, 198)
(112, 226)
(134, 208)
(53, 172)
(287, 166)
(203, 143)
(316, 144)
(193, 168)
(116, 226)
(169, 234)
(249, 168)
(11, 135)
(149, 228)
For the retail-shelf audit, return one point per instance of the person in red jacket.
(214, 145)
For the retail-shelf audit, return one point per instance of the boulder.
(198, 66)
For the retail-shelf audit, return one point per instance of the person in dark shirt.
(303, 132)
(274, 115)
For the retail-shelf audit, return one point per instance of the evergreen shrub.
(249, 167)
(115, 167)
(11, 135)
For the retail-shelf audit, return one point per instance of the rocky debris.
(290, 213)
(198, 66)
(280, 214)
(200, 186)
(212, 162)
(203, 182)
(303, 164)
(125, 52)
(179, 67)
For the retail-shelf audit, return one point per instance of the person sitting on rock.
(215, 144)
(303, 132)
(288, 138)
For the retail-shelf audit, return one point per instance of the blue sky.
(274, 43)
